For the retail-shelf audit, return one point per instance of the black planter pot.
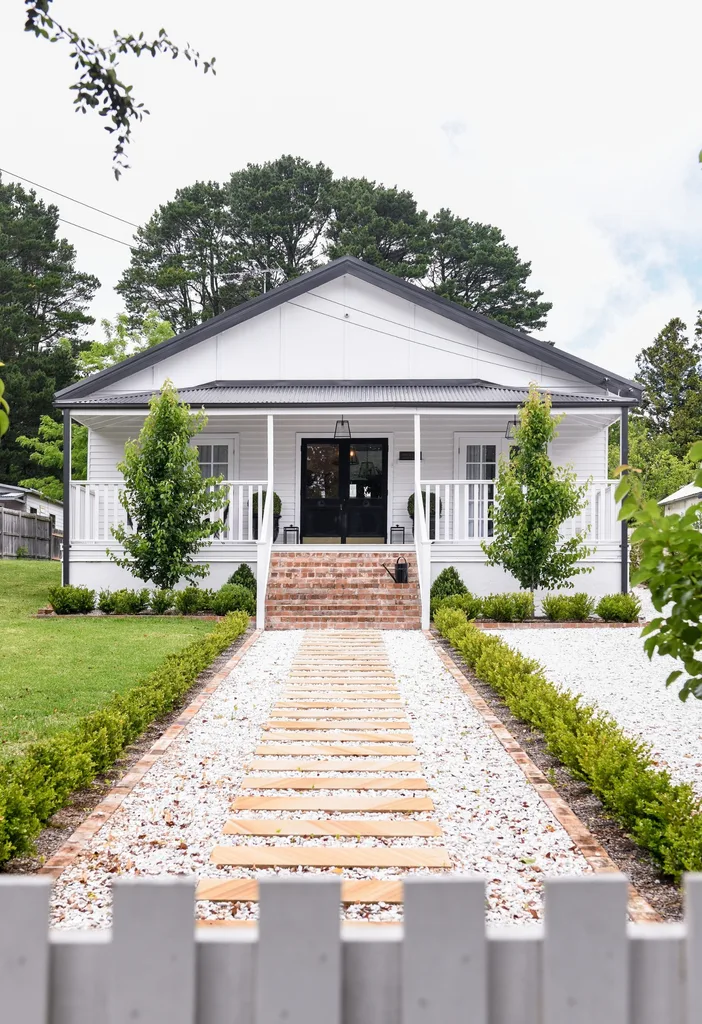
(276, 526)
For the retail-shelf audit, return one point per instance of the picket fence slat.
(444, 950)
(24, 949)
(298, 979)
(153, 947)
(586, 970)
(300, 965)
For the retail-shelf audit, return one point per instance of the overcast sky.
(574, 128)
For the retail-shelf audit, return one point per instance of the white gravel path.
(611, 670)
(493, 820)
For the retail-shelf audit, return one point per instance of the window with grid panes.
(481, 466)
(213, 460)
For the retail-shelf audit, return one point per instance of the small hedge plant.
(162, 601)
(446, 584)
(33, 786)
(568, 607)
(514, 607)
(244, 577)
(619, 608)
(661, 816)
(233, 597)
(470, 605)
(71, 600)
(124, 602)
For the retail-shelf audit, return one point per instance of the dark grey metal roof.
(373, 275)
(346, 393)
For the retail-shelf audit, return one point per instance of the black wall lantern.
(342, 429)
(511, 428)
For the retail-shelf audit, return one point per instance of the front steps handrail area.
(264, 546)
(303, 966)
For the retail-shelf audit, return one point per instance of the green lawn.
(54, 670)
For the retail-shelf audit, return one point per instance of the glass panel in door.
(481, 467)
(366, 506)
(321, 492)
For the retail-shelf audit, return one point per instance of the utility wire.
(72, 200)
(92, 232)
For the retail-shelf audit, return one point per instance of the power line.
(93, 232)
(72, 200)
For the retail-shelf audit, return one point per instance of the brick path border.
(640, 910)
(101, 814)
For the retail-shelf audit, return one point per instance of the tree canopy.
(122, 341)
(213, 246)
(670, 372)
(46, 451)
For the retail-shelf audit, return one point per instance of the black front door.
(344, 492)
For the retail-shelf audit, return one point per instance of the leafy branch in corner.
(98, 86)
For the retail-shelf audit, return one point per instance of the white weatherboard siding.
(582, 443)
(349, 330)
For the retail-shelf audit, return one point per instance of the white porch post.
(67, 444)
(266, 539)
(421, 542)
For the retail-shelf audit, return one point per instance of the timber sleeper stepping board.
(331, 856)
(322, 782)
(302, 714)
(332, 749)
(362, 764)
(324, 723)
(245, 890)
(373, 804)
(382, 827)
(295, 735)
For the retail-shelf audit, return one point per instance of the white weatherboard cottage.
(324, 391)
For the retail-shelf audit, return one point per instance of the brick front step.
(340, 590)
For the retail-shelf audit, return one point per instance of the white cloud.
(574, 129)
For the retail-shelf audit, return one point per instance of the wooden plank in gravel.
(332, 857)
(377, 804)
(326, 723)
(334, 750)
(585, 952)
(355, 703)
(298, 964)
(356, 713)
(444, 952)
(245, 890)
(294, 735)
(387, 827)
(326, 782)
(24, 948)
(360, 764)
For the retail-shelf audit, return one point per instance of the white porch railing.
(96, 508)
(300, 966)
(459, 511)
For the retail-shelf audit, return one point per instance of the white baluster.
(456, 512)
(240, 532)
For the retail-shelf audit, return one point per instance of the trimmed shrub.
(470, 605)
(661, 816)
(161, 601)
(124, 602)
(619, 608)
(35, 785)
(188, 601)
(447, 583)
(509, 607)
(71, 600)
(244, 577)
(568, 607)
(233, 597)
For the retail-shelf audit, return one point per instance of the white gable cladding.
(348, 329)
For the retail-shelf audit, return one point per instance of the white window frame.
(462, 440)
(232, 442)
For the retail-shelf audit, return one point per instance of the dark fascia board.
(372, 275)
(265, 407)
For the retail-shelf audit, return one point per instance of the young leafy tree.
(46, 450)
(533, 498)
(472, 264)
(379, 225)
(662, 471)
(165, 496)
(98, 87)
(671, 565)
(121, 341)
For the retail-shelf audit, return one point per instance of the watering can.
(401, 574)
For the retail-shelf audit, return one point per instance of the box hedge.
(33, 786)
(663, 817)
(568, 607)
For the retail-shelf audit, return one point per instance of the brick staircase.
(340, 590)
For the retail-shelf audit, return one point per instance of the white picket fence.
(585, 965)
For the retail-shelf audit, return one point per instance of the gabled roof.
(523, 343)
(688, 491)
(348, 393)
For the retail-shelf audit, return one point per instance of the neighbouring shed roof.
(13, 492)
(688, 491)
(346, 393)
